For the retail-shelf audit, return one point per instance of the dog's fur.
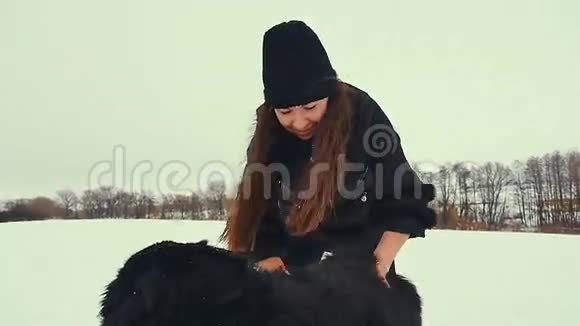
(195, 284)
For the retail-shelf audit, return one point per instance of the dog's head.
(174, 284)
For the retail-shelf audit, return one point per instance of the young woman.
(325, 171)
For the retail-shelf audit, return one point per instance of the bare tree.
(462, 175)
(144, 204)
(150, 200)
(107, 201)
(447, 188)
(140, 205)
(493, 178)
(68, 200)
(196, 205)
(215, 197)
(124, 201)
(522, 191)
(167, 208)
(31, 209)
(89, 204)
(182, 204)
(44, 207)
(133, 199)
(573, 186)
(535, 175)
(558, 169)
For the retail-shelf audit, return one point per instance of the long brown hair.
(252, 202)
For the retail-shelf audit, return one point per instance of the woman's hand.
(382, 268)
(388, 247)
(272, 264)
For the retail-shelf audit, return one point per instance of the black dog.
(194, 284)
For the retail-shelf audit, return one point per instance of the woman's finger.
(284, 269)
(386, 282)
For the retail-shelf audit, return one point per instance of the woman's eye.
(310, 107)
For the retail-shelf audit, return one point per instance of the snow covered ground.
(53, 272)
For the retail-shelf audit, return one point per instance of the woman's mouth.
(305, 133)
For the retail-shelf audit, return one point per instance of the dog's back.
(340, 291)
(173, 284)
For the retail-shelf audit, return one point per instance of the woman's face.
(301, 120)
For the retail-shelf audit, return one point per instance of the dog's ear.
(201, 243)
(126, 303)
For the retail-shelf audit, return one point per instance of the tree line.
(108, 202)
(541, 193)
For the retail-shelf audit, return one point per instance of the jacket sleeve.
(401, 198)
(271, 239)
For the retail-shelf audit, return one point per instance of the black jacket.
(394, 199)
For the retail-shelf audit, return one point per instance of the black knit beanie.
(295, 66)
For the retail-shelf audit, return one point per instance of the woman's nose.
(300, 125)
(300, 122)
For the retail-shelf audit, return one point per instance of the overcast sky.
(175, 84)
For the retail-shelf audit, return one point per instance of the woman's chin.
(304, 137)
